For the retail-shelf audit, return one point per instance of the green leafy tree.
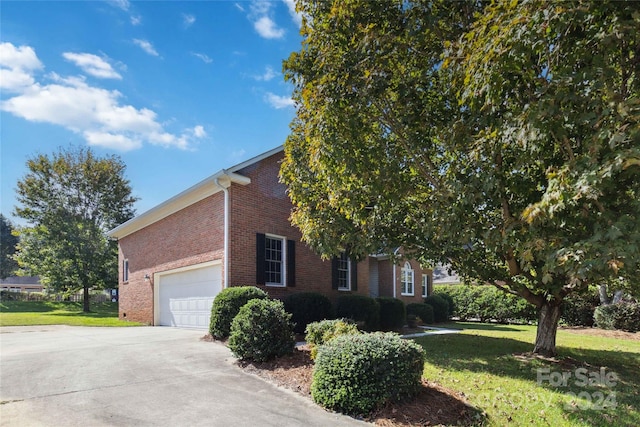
(70, 200)
(502, 139)
(8, 242)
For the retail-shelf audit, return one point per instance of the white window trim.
(425, 286)
(403, 279)
(348, 287)
(283, 273)
(125, 270)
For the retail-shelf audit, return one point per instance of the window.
(406, 277)
(125, 270)
(425, 284)
(344, 272)
(275, 260)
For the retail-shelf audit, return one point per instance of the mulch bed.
(434, 404)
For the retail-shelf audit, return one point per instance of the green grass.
(25, 313)
(489, 364)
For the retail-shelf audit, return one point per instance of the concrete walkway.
(432, 331)
(142, 376)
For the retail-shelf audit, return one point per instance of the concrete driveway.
(142, 376)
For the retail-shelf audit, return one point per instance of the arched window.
(407, 279)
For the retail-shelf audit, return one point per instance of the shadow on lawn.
(508, 357)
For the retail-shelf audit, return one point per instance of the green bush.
(449, 299)
(262, 330)
(392, 313)
(422, 310)
(361, 309)
(483, 302)
(227, 304)
(578, 309)
(355, 374)
(624, 316)
(318, 333)
(440, 307)
(307, 307)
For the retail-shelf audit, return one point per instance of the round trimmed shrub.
(359, 308)
(318, 333)
(307, 307)
(226, 306)
(440, 307)
(392, 313)
(355, 374)
(262, 330)
(422, 310)
(624, 316)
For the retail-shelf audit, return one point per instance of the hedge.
(623, 315)
(226, 306)
(318, 333)
(440, 307)
(392, 313)
(422, 310)
(361, 309)
(356, 374)
(307, 307)
(262, 330)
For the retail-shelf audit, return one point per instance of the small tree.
(70, 201)
(8, 242)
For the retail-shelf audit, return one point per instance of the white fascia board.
(255, 159)
(188, 197)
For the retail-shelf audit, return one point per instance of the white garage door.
(185, 297)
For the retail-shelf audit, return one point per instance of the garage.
(184, 296)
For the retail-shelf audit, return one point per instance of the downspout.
(225, 250)
(395, 267)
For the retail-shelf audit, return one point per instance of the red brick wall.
(262, 207)
(385, 271)
(190, 236)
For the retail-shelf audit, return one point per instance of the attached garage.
(183, 297)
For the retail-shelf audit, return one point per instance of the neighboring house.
(21, 284)
(233, 229)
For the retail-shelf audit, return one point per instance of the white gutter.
(225, 189)
(395, 267)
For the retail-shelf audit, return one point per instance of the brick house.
(233, 229)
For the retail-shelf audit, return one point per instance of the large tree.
(70, 200)
(503, 139)
(8, 242)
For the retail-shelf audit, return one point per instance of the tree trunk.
(85, 299)
(602, 292)
(548, 318)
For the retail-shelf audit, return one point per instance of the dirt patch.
(602, 332)
(434, 404)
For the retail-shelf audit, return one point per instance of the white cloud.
(239, 7)
(263, 23)
(205, 58)
(267, 28)
(92, 64)
(297, 17)
(188, 19)
(199, 132)
(98, 114)
(136, 20)
(279, 102)
(146, 46)
(17, 65)
(122, 4)
(269, 74)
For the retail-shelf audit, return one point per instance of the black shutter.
(260, 261)
(334, 273)
(291, 263)
(354, 275)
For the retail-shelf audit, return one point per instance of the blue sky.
(179, 90)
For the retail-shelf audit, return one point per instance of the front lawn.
(595, 381)
(25, 313)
